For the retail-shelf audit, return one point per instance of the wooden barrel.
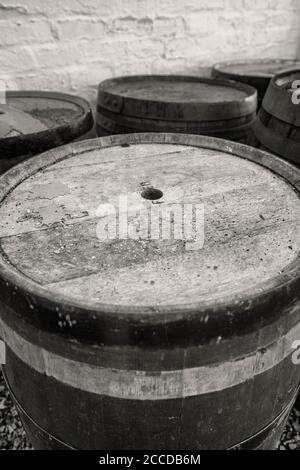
(277, 127)
(127, 334)
(176, 104)
(256, 73)
(34, 121)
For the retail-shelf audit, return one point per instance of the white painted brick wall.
(71, 45)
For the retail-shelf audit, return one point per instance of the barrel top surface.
(55, 210)
(174, 89)
(180, 90)
(37, 111)
(257, 68)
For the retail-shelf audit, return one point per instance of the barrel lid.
(59, 212)
(282, 98)
(175, 97)
(34, 121)
(264, 68)
(14, 122)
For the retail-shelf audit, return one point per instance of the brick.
(24, 31)
(71, 45)
(181, 48)
(90, 75)
(166, 66)
(202, 23)
(12, 11)
(233, 5)
(145, 48)
(128, 24)
(79, 28)
(131, 26)
(178, 7)
(56, 8)
(145, 26)
(7, 82)
(258, 4)
(166, 26)
(130, 67)
(17, 60)
(58, 55)
(56, 80)
(113, 50)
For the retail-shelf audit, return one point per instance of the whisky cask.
(34, 121)
(176, 333)
(277, 127)
(176, 104)
(256, 73)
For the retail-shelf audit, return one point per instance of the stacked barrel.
(191, 105)
(277, 128)
(135, 339)
(34, 121)
(256, 73)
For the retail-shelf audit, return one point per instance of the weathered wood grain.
(32, 122)
(14, 122)
(251, 226)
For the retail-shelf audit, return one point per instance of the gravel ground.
(12, 436)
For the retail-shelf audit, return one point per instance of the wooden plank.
(14, 122)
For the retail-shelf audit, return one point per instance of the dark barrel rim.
(278, 99)
(176, 111)
(58, 134)
(274, 137)
(230, 314)
(219, 68)
(282, 78)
